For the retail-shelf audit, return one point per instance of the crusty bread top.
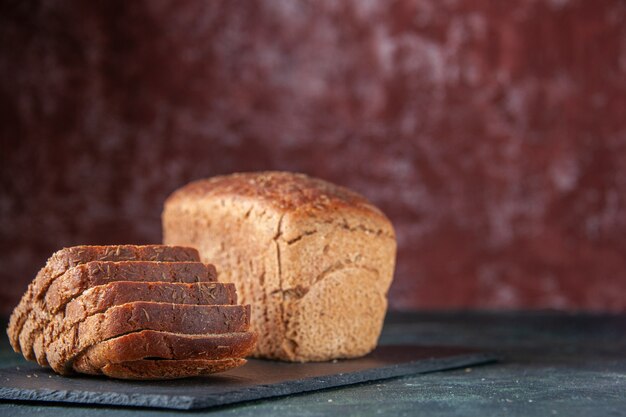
(284, 191)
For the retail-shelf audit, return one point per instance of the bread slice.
(136, 316)
(163, 345)
(314, 260)
(77, 279)
(100, 298)
(169, 369)
(67, 258)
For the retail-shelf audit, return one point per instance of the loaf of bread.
(77, 279)
(31, 304)
(314, 260)
(132, 312)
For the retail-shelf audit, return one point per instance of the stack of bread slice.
(132, 312)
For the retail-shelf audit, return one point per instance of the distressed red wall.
(493, 133)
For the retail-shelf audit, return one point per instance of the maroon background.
(493, 133)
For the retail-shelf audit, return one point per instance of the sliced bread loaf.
(100, 298)
(67, 258)
(77, 279)
(132, 318)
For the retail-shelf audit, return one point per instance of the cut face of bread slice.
(136, 316)
(100, 298)
(79, 278)
(163, 345)
(169, 369)
(67, 258)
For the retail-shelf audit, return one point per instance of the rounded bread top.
(284, 191)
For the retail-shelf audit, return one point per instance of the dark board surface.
(553, 364)
(257, 379)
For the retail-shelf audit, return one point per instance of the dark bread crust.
(67, 258)
(100, 298)
(169, 369)
(137, 316)
(285, 191)
(79, 278)
(164, 345)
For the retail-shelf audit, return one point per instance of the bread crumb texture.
(315, 260)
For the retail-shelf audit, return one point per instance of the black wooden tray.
(255, 380)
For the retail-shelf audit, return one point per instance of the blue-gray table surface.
(553, 364)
